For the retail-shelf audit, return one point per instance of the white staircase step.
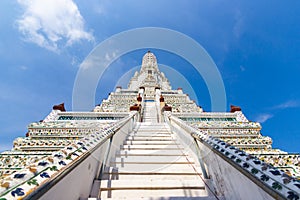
(160, 135)
(151, 184)
(153, 147)
(147, 126)
(150, 142)
(152, 164)
(116, 171)
(149, 162)
(152, 152)
(164, 168)
(162, 177)
(161, 197)
(149, 137)
(171, 145)
(153, 159)
(151, 188)
(114, 174)
(152, 134)
(171, 194)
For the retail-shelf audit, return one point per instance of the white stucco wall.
(78, 183)
(224, 179)
(229, 181)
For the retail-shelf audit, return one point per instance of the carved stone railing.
(39, 177)
(273, 181)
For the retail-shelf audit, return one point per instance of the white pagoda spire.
(149, 63)
(149, 75)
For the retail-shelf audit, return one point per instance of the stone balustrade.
(276, 183)
(35, 175)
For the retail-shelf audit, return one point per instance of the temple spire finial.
(149, 62)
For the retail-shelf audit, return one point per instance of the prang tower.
(147, 141)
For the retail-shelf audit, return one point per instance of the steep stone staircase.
(152, 164)
(150, 112)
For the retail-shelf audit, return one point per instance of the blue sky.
(255, 45)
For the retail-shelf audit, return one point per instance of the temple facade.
(147, 141)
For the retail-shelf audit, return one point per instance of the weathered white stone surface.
(226, 180)
(152, 167)
(229, 181)
(155, 160)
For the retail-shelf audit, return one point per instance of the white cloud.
(99, 9)
(288, 104)
(96, 61)
(110, 57)
(261, 118)
(52, 23)
(238, 27)
(242, 68)
(23, 67)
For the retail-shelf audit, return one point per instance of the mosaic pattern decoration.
(36, 173)
(277, 180)
(247, 136)
(62, 138)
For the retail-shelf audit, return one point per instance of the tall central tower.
(149, 77)
(147, 141)
(149, 63)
